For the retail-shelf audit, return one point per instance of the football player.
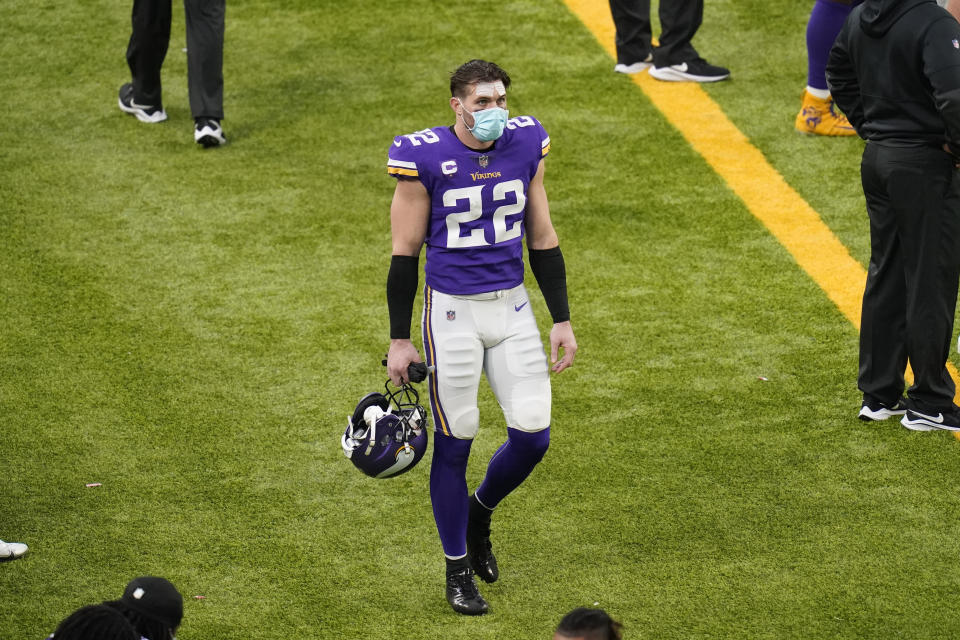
(473, 193)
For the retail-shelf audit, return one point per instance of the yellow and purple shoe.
(819, 117)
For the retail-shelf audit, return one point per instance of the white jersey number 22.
(473, 196)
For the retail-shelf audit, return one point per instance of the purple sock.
(825, 23)
(448, 492)
(511, 464)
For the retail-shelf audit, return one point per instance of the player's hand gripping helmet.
(387, 433)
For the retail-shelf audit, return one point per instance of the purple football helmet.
(387, 433)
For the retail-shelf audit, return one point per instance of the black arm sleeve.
(401, 290)
(551, 274)
(842, 81)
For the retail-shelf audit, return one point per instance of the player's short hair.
(592, 624)
(476, 71)
(95, 622)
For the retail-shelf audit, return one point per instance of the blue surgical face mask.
(488, 124)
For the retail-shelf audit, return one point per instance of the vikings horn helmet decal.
(387, 433)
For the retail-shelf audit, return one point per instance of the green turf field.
(190, 328)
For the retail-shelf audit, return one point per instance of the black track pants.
(147, 49)
(679, 21)
(913, 200)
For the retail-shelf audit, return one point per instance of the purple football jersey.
(478, 200)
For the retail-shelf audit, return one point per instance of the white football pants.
(494, 332)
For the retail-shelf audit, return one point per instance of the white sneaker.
(636, 67)
(11, 550)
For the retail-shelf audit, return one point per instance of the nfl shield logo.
(451, 315)
(485, 160)
(956, 43)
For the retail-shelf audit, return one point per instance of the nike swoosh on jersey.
(520, 306)
(938, 419)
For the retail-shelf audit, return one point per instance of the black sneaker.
(145, 113)
(208, 132)
(462, 593)
(479, 549)
(696, 70)
(916, 420)
(873, 410)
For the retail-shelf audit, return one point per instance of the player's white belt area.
(488, 295)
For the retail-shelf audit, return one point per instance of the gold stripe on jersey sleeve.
(403, 172)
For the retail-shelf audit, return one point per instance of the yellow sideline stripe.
(763, 190)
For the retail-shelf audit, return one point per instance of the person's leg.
(453, 348)
(511, 464)
(147, 49)
(448, 492)
(925, 195)
(516, 368)
(826, 20)
(632, 21)
(679, 21)
(675, 59)
(205, 28)
(818, 115)
(883, 324)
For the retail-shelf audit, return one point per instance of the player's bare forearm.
(562, 342)
(401, 354)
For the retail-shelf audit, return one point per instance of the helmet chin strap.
(370, 416)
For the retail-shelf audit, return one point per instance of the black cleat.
(479, 549)
(462, 593)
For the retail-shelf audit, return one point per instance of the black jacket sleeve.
(842, 80)
(941, 65)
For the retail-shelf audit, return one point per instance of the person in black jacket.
(894, 70)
